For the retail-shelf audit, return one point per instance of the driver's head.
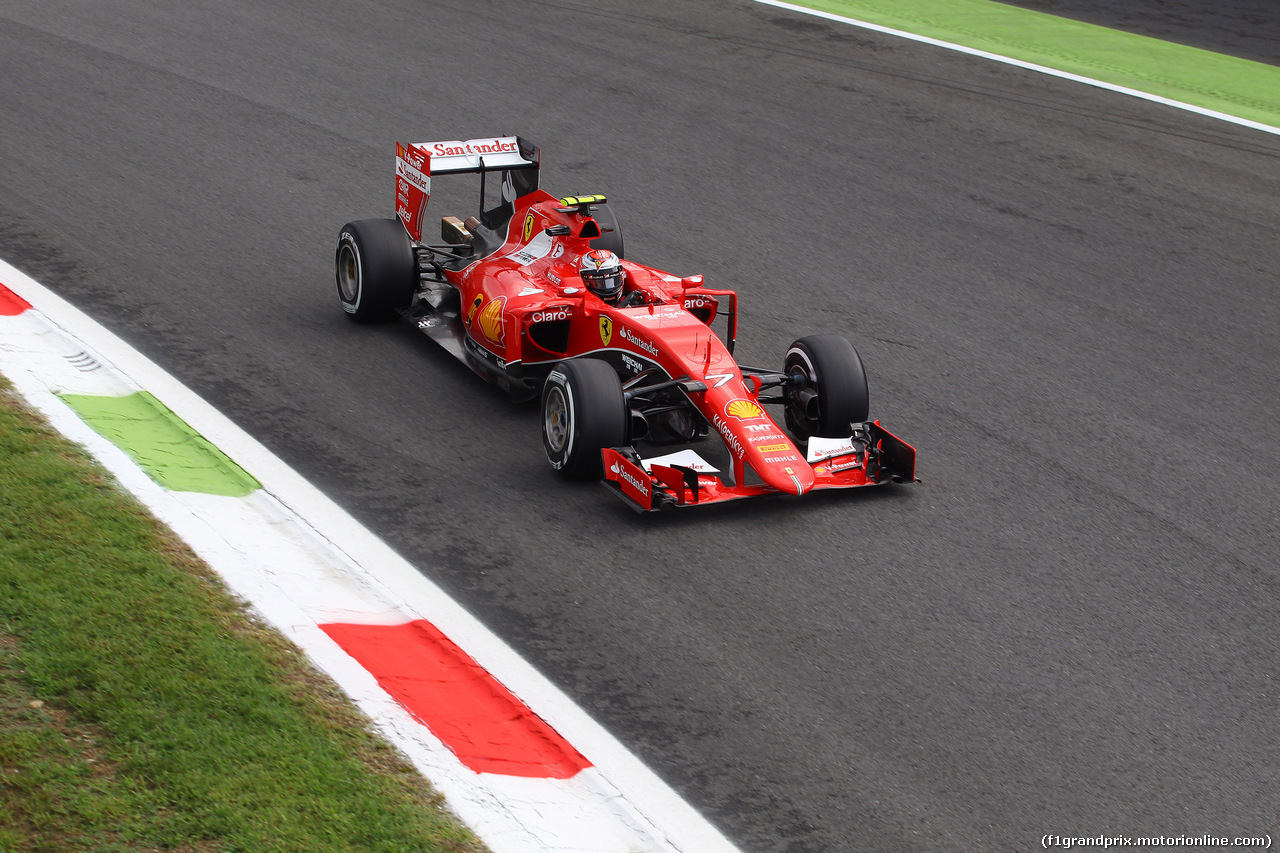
(601, 272)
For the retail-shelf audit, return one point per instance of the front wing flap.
(872, 456)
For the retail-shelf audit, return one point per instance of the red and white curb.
(516, 759)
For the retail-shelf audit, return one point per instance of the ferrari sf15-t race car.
(534, 294)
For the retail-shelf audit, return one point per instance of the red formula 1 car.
(534, 295)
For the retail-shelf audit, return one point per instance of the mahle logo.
(606, 330)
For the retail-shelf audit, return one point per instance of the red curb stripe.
(486, 726)
(11, 304)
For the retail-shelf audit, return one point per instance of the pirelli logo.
(772, 448)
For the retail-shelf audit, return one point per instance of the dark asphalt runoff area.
(1067, 299)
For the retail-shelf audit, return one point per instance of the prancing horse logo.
(606, 330)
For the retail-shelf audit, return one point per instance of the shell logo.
(490, 320)
(743, 410)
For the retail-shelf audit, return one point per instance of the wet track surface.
(1067, 299)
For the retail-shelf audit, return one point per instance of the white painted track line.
(1030, 66)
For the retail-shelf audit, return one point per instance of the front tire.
(375, 269)
(583, 412)
(832, 393)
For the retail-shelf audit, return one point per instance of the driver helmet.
(601, 272)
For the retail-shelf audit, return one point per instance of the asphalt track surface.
(1066, 298)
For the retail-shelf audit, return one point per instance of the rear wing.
(480, 155)
(416, 162)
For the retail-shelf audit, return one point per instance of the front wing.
(872, 457)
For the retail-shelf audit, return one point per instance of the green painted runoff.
(1214, 81)
(171, 452)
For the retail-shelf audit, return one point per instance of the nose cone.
(786, 471)
(763, 445)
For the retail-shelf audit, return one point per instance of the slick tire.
(583, 412)
(375, 269)
(609, 239)
(831, 368)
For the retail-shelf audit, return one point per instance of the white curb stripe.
(1030, 66)
(300, 560)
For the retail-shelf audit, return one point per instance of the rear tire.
(375, 269)
(609, 239)
(832, 368)
(583, 412)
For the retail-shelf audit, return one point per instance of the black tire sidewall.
(608, 239)
(558, 384)
(386, 269)
(597, 416)
(838, 376)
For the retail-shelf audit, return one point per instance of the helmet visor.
(605, 284)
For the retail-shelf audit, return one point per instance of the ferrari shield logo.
(528, 227)
(606, 330)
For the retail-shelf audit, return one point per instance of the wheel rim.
(556, 420)
(348, 274)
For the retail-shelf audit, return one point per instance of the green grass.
(1215, 81)
(142, 708)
